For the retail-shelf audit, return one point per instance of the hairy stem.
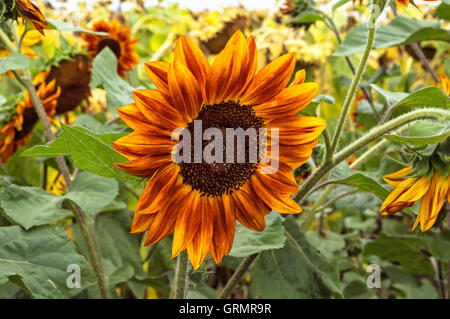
(179, 287)
(237, 276)
(355, 82)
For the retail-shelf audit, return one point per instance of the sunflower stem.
(237, 276)
(366, 139)
(179, 287)
(86, 228)
(374, 14)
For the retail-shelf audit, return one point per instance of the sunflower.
(200, 201)
(31, 13)
(405, 3)
(432, 188)
(118, 41)
(72, 75)
(445, 84)
(17, 132)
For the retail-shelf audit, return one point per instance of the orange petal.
(187, 53)
(145, 166)
(288, 102)
(299, 77)
(185, 91)
(270, 80)
(157, 72)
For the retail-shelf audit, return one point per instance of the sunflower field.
(290, 149)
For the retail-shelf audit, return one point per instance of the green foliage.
(37, 261)
(15, 61)
(297, 270)
(423, 133)
(247, 242)
(400, 31)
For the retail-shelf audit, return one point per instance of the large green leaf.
(247, 242)
(401, 30)
(104, 74)
(439, 244)
(37, 261)
(92, 192)
(443, 11)
(297, 270)
(423, 133)
(404, 250)
(93, 154)
(15, 61)
(30, 206)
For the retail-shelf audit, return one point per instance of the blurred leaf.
(64, 26)
(404, 250)
(423, 133)
(93, 154)
(412, 287)
(15, 61)
(104, 74)
(439, 244)
(248, 242)
(92, 192)
(297, 270)
(443, 11)
(30, 206)
(37, 260)
(306, 17)
(328, 244)
(339, 4)
(399, 31)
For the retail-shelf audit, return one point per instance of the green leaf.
(248, 242)
(422, 98)
(93, 154)
(400, 31)
(439, 244)
(339, 4)
(423, 133)
(64, 26)
(37, 260)
(391, 97)
(30, 206)
(443, 11)
(310, 110)
(329, 244)
(297, 270)
(104, 74)
(92, 192)
(15, 61)
(55, 148)
(404, 250)
(342, 174)
(306, 17)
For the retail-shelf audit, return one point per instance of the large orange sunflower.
(118, 41)
(201, 201)
(17, 132)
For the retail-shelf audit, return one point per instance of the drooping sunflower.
(31, 13)
(201, 201)
(428, 180)
(118, 41)
(17, 132)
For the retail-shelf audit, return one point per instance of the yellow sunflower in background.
(405, 3)
(201, 201)
(17, 132)
(31, 14)
(445, 84)
(118, 41)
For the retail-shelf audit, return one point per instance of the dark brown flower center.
(218, 178)
(30, 118)
(112, 44)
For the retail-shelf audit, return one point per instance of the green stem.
(237, 276)
(355, 82)
(308, 217)
(372, 135)
(179, 287)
